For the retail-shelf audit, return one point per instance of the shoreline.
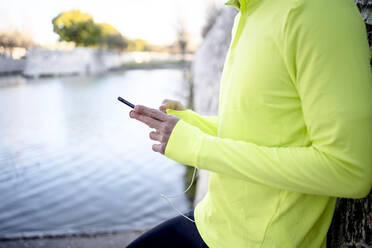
(131, 66)
(108, 240)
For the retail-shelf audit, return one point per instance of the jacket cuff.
(184, 143)
(182, 114)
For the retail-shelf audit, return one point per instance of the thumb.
(162, 108)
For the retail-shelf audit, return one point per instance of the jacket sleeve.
(327, 52)
(207, 124)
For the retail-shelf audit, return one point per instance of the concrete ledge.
(93, 241)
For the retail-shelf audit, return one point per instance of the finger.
(162, 108)
(154, 113)
(165, 101)
(151, 122)
(155, 136)
(156, 147)
(167, 104)
(162, 148)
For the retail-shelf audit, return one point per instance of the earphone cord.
(166, 197)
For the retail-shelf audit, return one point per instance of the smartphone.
(126, 102)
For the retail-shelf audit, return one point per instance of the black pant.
(178, 232)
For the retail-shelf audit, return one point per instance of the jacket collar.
(234, 3)
(240, 4)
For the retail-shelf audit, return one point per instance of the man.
(293, 131)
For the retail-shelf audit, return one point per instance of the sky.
(152, 20)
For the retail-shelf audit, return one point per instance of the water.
(72, 161)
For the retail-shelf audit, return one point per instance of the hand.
(171, 104)
(161, 122)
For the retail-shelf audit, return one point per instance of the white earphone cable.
(167, 197)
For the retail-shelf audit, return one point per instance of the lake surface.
(72, 161)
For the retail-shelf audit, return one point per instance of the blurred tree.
(111, 38)
(13, 39)
(139, 45)
(114, 41)
(78, 27)
(182, 37)
(16, 38)
(107, 29)
(212, 13)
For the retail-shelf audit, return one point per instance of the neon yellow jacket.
(294, 126)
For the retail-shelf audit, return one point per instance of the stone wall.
(209, 61)
(43, 62)
(207, 69)
(8, 65)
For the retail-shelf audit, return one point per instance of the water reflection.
(71, 160)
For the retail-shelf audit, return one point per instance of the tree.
(138, 45)
(12, 39)
(78, 27)
(107, 29)
(182, 36)
(114, 41)
(111, 38)
(15, 38)
(212, 13)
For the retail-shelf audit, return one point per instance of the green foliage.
(114, 41)
(138, 45)
(107, 29)
(80, 28)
